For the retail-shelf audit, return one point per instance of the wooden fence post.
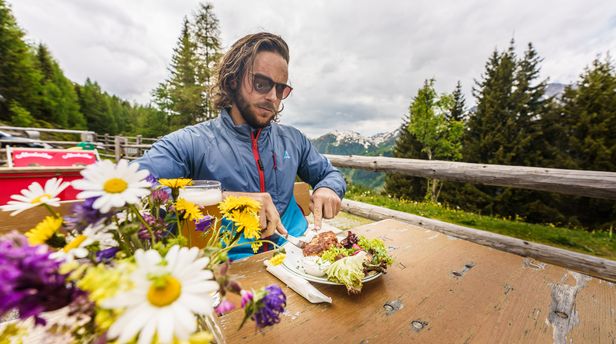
(119, 150)
(138, 142)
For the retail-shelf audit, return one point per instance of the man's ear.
(233, 84)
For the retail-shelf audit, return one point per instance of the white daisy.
(167, 295)
(114, 185)
(77, 246)
(36, 195)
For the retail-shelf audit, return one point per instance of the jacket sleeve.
(317, 170)
(168, 158)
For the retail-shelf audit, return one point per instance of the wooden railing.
(572, 182)
(594, 184)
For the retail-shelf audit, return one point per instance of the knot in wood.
(561, 315)
(418, 325)
(392, 306)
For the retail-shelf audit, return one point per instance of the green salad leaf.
(348, 271)
(376, 247)
(334, 253)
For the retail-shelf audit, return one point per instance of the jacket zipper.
(254, 137)
(255, 153)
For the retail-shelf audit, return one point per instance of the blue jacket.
(247, 160)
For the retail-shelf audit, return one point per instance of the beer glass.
(206, 194)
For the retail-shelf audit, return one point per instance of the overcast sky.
(355, 65)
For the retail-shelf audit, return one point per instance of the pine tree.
(206, 33)
(20, 88)
(588, 115)
(97, 108)
(458, 110)
(181, 95)
(60, 104)
(407, 146)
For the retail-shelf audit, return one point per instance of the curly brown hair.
(239, 60)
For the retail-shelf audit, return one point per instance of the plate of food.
(344, 259)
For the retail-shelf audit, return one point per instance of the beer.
(206, 194)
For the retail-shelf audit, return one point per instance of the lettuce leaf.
(348, 271)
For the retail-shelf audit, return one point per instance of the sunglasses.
(263, 85)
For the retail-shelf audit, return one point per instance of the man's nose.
(271, 95)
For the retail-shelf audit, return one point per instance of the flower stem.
(215, 255)
(144, 222)
(53, 212)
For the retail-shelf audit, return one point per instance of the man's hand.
(268, 215)
(324, 202)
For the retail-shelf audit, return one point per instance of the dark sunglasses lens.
(282, 91)
(262, 85)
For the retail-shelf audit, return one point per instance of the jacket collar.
(242, 131)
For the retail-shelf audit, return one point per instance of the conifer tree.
(180, 96)
(206, 33)
(407, 146)
(19, 78)
(588, 117)
(97, 108)
(60, 104)
(458, 110)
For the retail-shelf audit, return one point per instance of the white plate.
(294, 263)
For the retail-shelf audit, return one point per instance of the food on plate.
(347, 262)
(315, 266)
(320, 243)
(348, 271)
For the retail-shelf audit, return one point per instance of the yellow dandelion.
(243, 203)
(193, 213)
(277, 259)
(176, 183)
(247, 222)
(256, 245)
(44, 231)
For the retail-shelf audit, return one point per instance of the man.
(245, 149)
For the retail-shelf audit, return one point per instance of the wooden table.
(440, 290)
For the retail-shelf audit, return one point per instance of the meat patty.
(321, 242)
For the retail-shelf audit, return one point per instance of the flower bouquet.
(118, 268)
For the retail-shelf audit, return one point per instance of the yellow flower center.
(164, 291)
(115, 185)
(40, 199)
(75, 243)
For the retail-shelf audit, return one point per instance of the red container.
(13, 180)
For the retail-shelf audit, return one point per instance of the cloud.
(354, 64)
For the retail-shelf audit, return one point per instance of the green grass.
(597, 243)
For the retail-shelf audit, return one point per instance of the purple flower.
(160, 196)
(107, 254)
(30, 280)
(270, 307)
(246, 297)
(204, 224)
(83, 214)
(152, 180)
(225, 306)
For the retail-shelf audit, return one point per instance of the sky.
(355, 65)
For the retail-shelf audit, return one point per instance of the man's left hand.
(325, 203)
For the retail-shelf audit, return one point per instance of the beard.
(248, 112)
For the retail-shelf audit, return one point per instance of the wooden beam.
(594, 184)
(590, 265)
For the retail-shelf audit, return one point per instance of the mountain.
(352, 143)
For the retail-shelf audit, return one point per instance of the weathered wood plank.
(595, 184)
(594, 266)
(439, 290)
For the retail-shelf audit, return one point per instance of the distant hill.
(352, 143)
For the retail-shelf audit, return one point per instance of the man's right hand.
(268, 215)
